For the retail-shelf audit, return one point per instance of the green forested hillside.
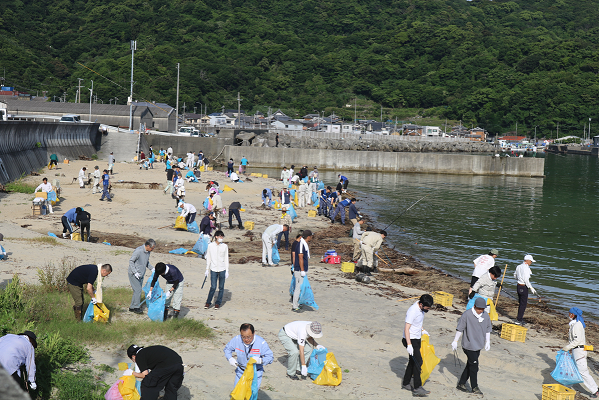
(491, 63)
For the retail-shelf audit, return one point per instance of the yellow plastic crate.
(557, 392)
(348, 267)
(513, 333)
(264, 176)
(209, 168)
(443, 298)
(249, 225)
(311, 213)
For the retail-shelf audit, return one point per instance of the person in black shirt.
(85, 275)
(230, 167)
(174, 286)
(205, 226)
(161, 368)
(83, 219)
(234, 210)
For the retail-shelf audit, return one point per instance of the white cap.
(528, 257)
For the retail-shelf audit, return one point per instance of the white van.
(71, 118)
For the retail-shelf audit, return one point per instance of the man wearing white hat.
(522, 275)
(298, 339)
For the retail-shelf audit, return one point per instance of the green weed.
(54, 277)
(19, 186)
(105, 368)
(120, 251)
(81, 385)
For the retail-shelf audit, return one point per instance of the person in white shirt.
(269, 237)
(82, 178)
(16, 351)
(285, 175)
(298, 339)
(97, 175)
(217, 267)
(191, 160)
(481, 265)
(234, 176)
(412, 335)
(47, 188)
(188, 211)
(577, 343)
(522, 275)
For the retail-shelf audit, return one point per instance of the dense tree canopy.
(491, 63)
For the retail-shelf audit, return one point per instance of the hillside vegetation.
(488, 63)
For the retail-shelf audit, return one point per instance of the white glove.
(424, 332)
(226, 275)
(410, 350)
(320, 347)
(169, 294)
(94, 300)
(232, 362)
(137, 275)
(258, 359)
(303, 273)
(153, 269)
(454, 345)
(206, 274)
(32, 385)
(487, 346)
(533, 290)
(304, 370)
(149, 296)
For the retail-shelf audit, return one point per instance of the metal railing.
(368, 136)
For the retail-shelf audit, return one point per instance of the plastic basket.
(333, 260)
(311, 213)
(557, 392)
(249, 225)
(513, 333)
(443, 298)
(348, 267)
(264, 176)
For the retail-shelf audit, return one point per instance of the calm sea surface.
(554, 219)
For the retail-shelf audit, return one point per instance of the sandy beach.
(362, 323)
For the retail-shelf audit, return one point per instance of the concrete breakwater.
(351, 160)
(26, 146)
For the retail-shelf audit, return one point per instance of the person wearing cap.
(300, 266)
(285, 220)
(266, 194)
(67, 219)
(269, 237)
(160, 368)
(111, 163)
(17, 351)
(313, 179)
(412, 337)
(371, 242)
(188, 211)
(173, 289)
(481, 265)
(576, 344)
(139, 261)
(356, 235)
(353, 212)
(86, 275)
(97, 175)
(245, 346)
(522, 275)
(476, 327)
(333, 198)
(298, 338)
(45, 187)
(323, 207)
(285, 175)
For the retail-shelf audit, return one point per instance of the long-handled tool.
(204, 282)
(382, 259)
(409, 298)
(405, 211)
(501, 285)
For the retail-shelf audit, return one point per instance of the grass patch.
(53, 277)
(49, 240)
(19, 186)
(81, 385)
(105, 368)
(120, 252)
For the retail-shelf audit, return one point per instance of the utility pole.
(589, 128)
(133, 48)
(557, 132)
(79, 90)
(91, 93)
(184, 108)
(238, 111)
(177, 105)
(355, 114)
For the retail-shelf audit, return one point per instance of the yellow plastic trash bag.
(202, 168)
(123, 366)
(101, 313)
(180, 223)
(492, 311)
(331, 372)
(277, 205)
(127, 388)
(295, 201)
(227, 188)
(75, 236)
(243, 389)
(429, 359)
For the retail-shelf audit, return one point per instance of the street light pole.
(133, 48)
(91, 93)
(536, 134)
(177, 108)
(589, 128)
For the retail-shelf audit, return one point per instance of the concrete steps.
(123, 144)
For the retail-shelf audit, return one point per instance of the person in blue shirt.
(70, 217)
(343, 180)
(105, 185)
(174, 287)
(340, 209)
(190, 176)
(353, 212)
(248, 345)
(266, 194)
(333, 198)
(323, 207)
(244, 164)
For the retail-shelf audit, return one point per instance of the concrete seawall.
(348, 160)
(183, 144)
(26, 146)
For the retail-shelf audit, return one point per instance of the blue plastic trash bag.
(305, 179)
(206, 203)
(156, 302)
(320, 185)
(306, 295)
(202, 244)
(565, 371)
(52, 196)
(292, 286)
(89, 313)
(51, 234)
(292, 194)
(314, 197)
(180, 250)
(193, 227)
(316, 364)
(472, 300)
(179, 210)
(292, 213)
(317, 202)
(276, 258)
